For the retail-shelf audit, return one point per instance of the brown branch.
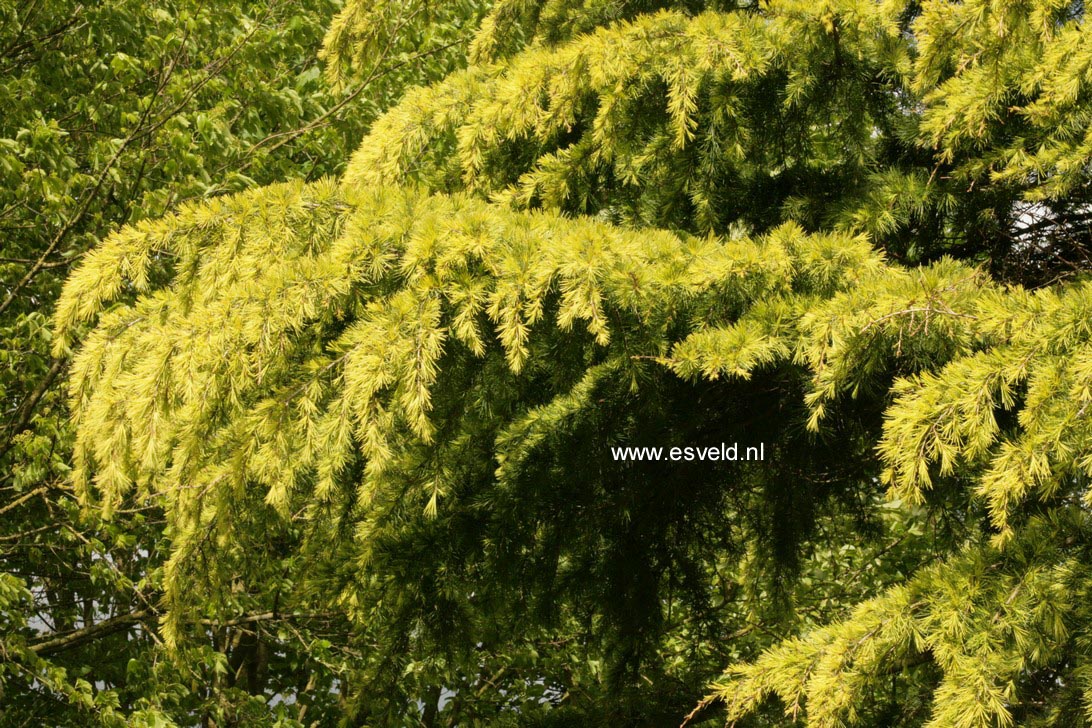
(212, 69)
(21, 500)
(928, 309)
(85, 634)
(29, 261)
(74, 638)
(24, 534)
(324, 118)
(20, 47)
(26, 410)
(699, 708)
(259, 617)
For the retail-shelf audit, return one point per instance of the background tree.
(115, 112)
(637, 223)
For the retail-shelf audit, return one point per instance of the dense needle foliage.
(377, 410)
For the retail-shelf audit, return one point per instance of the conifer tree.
(854, 231)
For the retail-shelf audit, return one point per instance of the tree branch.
(85, 634)
(26, 411)
(77, 637)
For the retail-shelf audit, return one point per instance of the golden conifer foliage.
(366, 30)
(277, 335)
(240, 297)
(778, 220)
